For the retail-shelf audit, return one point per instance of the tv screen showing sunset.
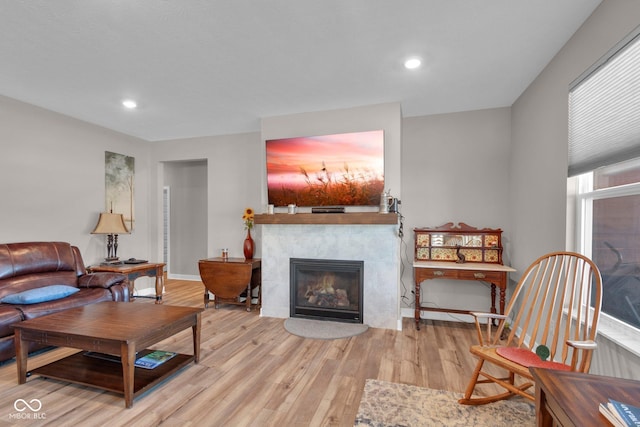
(330, 170)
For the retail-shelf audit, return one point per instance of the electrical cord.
(404, 250)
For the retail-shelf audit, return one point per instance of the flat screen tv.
(330, 170)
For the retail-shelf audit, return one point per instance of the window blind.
(604, 110)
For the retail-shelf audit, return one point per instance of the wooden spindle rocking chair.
(552, 318)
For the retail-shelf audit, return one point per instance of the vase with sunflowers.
(249, 246)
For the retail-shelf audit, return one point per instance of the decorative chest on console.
(461, 243)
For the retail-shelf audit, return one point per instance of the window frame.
(618, 331)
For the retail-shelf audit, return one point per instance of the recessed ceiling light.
(412, 63)
(129, 103)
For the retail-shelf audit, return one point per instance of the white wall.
(52, 183)
(454, 169)
(538, 162)
(234, 176)
(373, 117)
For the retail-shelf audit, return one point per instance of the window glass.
(619, 174)
(616, 252)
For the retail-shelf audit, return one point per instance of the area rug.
(323, 329)
(391, 404)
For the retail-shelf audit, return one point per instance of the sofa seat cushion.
(8, 316)
(43, 294)
(85, 296)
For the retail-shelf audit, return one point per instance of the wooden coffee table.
(114, 328)
(572, 399)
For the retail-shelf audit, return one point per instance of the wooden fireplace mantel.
(331, 218)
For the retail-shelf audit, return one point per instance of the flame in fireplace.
(323, 293)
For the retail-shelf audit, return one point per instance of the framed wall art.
(119, 186)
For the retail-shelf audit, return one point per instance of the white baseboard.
(150, 292)
(191, 277)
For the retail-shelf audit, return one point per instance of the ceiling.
(213, 67)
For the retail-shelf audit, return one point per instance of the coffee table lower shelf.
(107, 375)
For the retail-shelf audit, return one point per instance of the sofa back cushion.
(17, 259)
(30, 265)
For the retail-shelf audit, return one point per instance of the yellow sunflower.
(247, 217)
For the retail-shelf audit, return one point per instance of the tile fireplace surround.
(370, 237)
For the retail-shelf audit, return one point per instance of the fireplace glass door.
(327, 289)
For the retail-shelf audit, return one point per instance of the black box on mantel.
(328, 209)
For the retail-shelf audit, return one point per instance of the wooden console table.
(228, 278)
(459, 252)
(573, 398)
(495, 274)
(133, 271)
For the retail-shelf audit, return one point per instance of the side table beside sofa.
(133, 271)
(40, 278)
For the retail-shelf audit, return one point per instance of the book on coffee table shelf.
(148, 361)
(154, 359)
(621, 414)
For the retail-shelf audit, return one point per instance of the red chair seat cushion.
(527, 358)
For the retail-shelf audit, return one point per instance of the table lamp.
(111, 224)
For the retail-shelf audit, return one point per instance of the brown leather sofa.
(36, 266)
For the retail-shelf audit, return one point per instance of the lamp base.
(111, 259)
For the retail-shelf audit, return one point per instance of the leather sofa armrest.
(120, 293)
(102, 280)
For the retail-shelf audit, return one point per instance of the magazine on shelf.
(154, 359)
(621, 414)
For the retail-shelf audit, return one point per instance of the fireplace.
(377, 245)
(326, 289)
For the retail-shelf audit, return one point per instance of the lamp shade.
(110, 223)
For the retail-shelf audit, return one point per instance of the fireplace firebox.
(327, 289)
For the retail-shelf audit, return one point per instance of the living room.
(500, 167)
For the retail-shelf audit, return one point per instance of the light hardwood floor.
(254, 373)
